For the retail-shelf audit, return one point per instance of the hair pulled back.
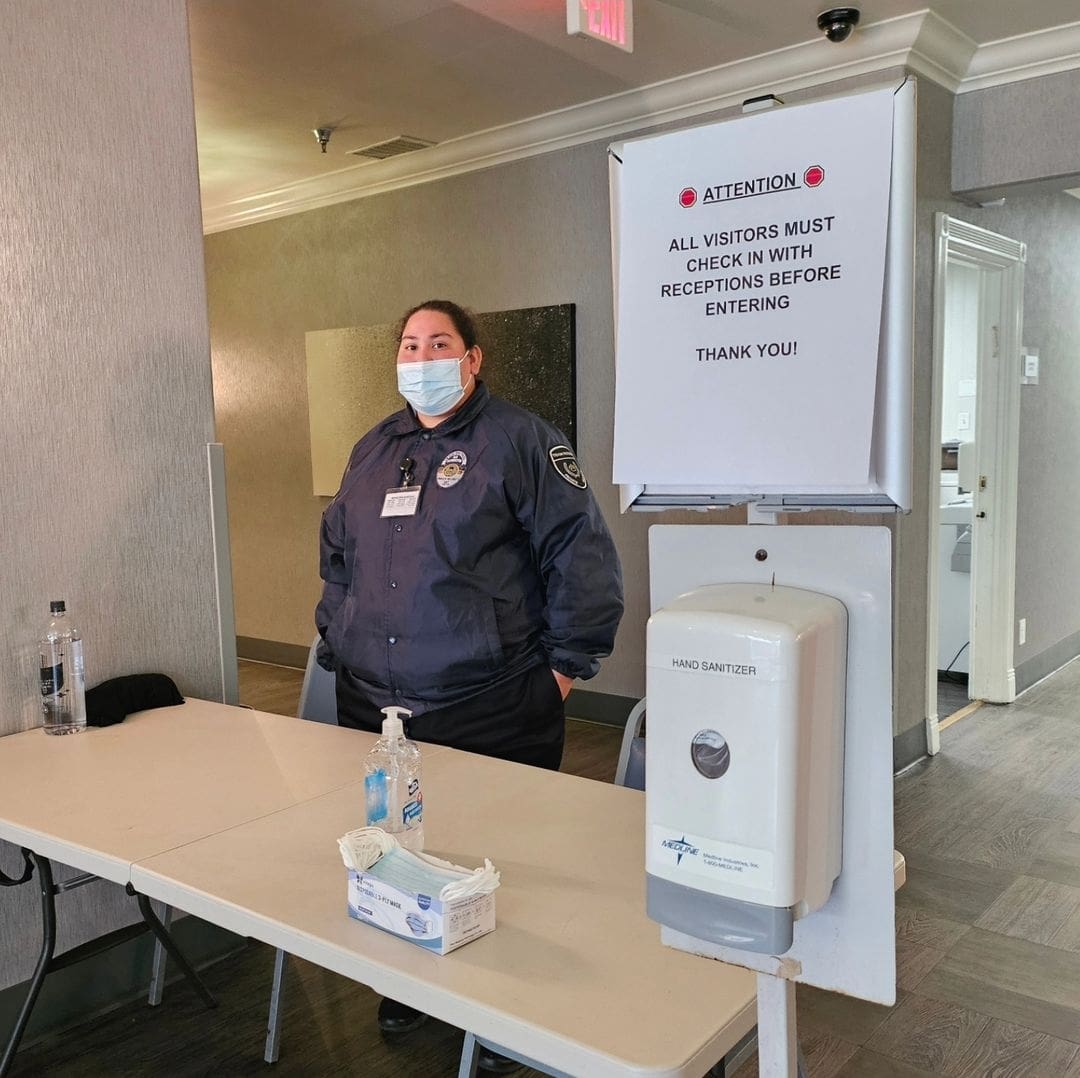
(462, 319)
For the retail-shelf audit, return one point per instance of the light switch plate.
(1029, 367)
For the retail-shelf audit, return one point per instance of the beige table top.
(574, 975)
(101, 799)
(233, 815)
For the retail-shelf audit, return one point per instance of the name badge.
(400, 502)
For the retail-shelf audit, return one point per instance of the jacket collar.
(405, 421)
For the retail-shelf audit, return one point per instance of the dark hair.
(462, 319)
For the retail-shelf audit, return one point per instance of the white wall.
(961, 355)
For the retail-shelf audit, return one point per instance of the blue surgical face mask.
(433, 386)
(407, 872)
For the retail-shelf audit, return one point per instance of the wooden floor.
(988, 936)
(592, 750)
(951, 696)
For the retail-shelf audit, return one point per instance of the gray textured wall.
(1048, 524)
(1019, 133)
(533, 232)
(1022, 140)
(105, 367)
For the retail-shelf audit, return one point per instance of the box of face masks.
(416, 896)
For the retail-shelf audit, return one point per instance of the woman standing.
(467, 572)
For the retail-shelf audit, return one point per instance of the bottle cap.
(57, 606)
(392, 726)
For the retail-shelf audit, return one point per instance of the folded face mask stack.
(419, 897)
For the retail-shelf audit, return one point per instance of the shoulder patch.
(564, 462)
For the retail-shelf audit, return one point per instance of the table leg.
(777, 1045)
(161, 958)
(47, 959)
(48, 946)
(174, 952)
(277, 1000)
(470, 1053)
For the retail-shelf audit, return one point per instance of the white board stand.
(778, 1044)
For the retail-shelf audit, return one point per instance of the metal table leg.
(277, 1001)
(470, 1053)
(174, 952)
(48, 960)
(48, 946)
(161, 958)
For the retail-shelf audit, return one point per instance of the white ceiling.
(266, 72)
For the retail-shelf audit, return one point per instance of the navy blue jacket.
(506, 564)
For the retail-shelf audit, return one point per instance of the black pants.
(522, 719)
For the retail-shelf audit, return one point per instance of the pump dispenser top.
(392, 725)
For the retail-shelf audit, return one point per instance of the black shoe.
(395, 1017)
(493, 1063)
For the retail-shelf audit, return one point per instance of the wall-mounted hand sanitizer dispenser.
(744, 757)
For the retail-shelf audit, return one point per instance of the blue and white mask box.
(418, 897)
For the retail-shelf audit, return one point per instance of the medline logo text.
(681, 847)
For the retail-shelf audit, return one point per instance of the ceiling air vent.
(391, 147)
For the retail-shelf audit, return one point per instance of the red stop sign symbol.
(814, 176)
(687, 197)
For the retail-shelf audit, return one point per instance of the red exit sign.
(606, 20)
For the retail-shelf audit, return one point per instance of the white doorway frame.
(1000, 261)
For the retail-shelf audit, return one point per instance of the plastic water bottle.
(392, 794)
(63, 679)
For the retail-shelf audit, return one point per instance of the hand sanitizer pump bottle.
(392, 794)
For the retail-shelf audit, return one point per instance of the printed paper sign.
(750, 275)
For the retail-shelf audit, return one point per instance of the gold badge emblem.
(452, 469)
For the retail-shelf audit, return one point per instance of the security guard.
(468, 574)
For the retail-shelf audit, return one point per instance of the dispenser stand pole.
(778, 1047)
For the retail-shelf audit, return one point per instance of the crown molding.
(878, 47)
(922, 42)
(941, 53)
(1029, 56)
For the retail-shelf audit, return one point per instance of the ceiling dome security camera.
(838, 22)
